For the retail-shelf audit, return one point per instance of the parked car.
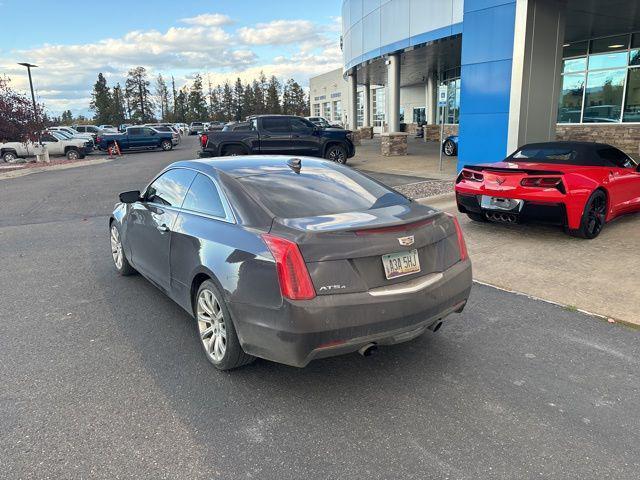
(88, 142)
(579, 185)
(450, 146)
(175, 136)
(107, 128)
(323, 122)
(92, 129)
(196, 127)
(137, 138)
(56, 143)
(123, 128)
(183, 128)
(291, 259)
(73, 133)
(280, 135)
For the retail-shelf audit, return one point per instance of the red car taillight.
(295, 282)
(203, 140)
(462, 246)
(543, 182)
(470, 175)
(98, 139)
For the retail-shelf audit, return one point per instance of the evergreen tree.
(118, 112)
(175, 105)
(259, 92)
(66, 118)
(238, 107)
(197, 104)
(294, 100)
(248, 101)
(162, 95)
(227, 102)
(214, 104)
(137, 88)
(272, 97)
(101, 101)
(182, 106)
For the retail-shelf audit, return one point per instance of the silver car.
(291, 259)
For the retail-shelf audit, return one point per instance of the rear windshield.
(546, 155)
(318, 191)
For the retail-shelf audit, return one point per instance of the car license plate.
(399, 264)
(497, 203)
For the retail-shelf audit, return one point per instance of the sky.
(72, 41)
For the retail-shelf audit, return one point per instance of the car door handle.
(163, 228)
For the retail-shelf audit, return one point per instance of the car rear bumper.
(552, 212)
(329, 325)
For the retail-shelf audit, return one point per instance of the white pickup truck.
(56, 145)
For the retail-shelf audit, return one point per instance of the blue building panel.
(487, 55)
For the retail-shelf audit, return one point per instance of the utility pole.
(33, 97)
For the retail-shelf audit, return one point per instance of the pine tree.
(137, 88)
(162, 95)
(197, 103)
(272, 98)
(227, 102)
(259, 92)
(294, 100)
(66, 118)
(175, 105)
(248, 101)
(214, 104)
(182, 106)
(118, 112)
(101, 101)
(238, 107)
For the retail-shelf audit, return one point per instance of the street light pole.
(33, 97)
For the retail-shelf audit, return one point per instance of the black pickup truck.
(279, 135)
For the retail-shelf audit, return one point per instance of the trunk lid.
(343, 252)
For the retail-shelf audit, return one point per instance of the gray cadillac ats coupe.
(291, 259)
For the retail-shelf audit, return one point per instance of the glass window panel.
(603, 99)
(609, 44)
(632, 102)
(360, 109)
(574, 49)
(608, 60)
(203, 197)
(574, 65)
(570, 105)
(634, 57)
(635, 40)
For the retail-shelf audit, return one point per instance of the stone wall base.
(625, 137)
(393, 144)
(432, 132)
(364, 133)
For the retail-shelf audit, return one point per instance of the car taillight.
(472, 176)
(98, 139)
(295, 283)
(203, 140)
(543, 182)
(462, 246)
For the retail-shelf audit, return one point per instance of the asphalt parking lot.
(102, 376)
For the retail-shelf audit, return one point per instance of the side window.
(276, 124)
(203, 197)
(615, 156)
(48, 138)
(170, 188)
(254, 124)
(134, 131)
(300, 126)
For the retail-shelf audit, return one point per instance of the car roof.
(245, 165)
(568, 144)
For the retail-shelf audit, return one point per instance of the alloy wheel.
(596, 215)
(336, 155)
(448, 148)
(9, 157)
(211, 325)
(116, 247)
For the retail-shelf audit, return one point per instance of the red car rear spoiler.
(480, 168)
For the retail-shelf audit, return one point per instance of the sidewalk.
(422, 160)
(600, 276)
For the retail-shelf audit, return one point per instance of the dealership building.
(515, 72)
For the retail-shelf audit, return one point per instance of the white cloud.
(66, 73)
(279, 32)
(208, 20)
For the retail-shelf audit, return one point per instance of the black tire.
(336, 153)
(477, 217)
(449, 148)
(233, 356)
(166, 145)
(124, 268)
(9, 156)
(593, 218)
(233, 150)
(73, 154)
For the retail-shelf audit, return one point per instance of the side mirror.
(130, 197)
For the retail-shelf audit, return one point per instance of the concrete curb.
(65, 166)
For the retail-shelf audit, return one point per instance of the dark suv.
(280, 135)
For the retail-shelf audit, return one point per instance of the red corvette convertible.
(578, 185)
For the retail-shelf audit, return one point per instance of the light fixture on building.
(566, 45)
(617, 45)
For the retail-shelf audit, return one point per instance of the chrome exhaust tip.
(368, 349)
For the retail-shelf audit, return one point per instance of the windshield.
(551, 155)
(316, 191)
